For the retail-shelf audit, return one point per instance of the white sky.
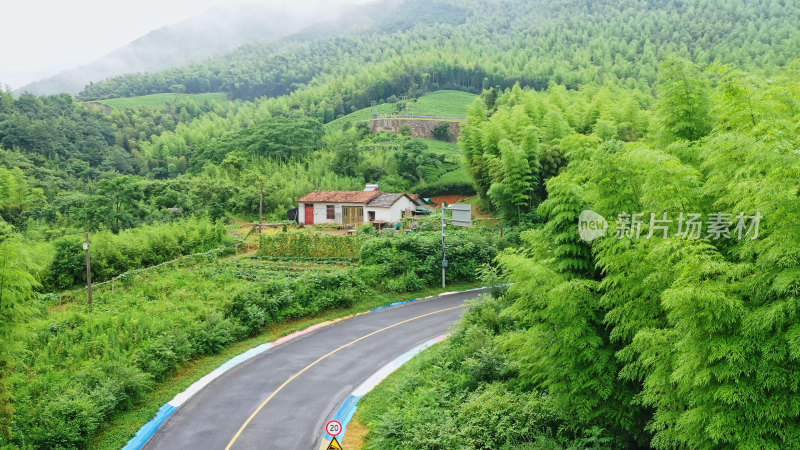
(39, 38)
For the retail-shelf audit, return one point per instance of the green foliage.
(68, 267)
(58, 137)
(64, 147)
(616, 343)
(281, 299)
(114, 254)
(158, 100)
(74, 368)
(512, 187)
(446, 103)
(407, 259)
(445, 187)
(280, 138)
(684, 100)
(669, 343)
(596, 43)
(17, 287)
(310, 245)
(525, 141)
(395, 162)
(442, 132)
(273, 68)
(17, 196)
(452, 394)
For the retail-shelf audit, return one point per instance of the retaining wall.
(421, 128)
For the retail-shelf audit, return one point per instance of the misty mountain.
(210, 33)
(277, 67)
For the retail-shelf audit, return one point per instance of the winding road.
(282, 398)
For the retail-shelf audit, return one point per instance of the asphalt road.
(296, 400)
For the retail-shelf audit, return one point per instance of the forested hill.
(459, 44)
(671, 119)
(214, 32)
(276, 68)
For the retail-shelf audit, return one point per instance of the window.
(331, 212)
(371, 215)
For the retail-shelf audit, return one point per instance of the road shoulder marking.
(322, 358)
(148, 430)
(350, 405)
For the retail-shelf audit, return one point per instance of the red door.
(309, 214)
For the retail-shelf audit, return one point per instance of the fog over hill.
(210, 33)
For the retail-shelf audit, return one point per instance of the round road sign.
(334, 427)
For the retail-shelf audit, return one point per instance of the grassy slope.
(157, 100)
(449, 149)
(439, 103)
(458, 175)
(443, 103)
(452, 153)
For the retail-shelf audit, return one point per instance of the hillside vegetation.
(446, 103)
(665, 115)
(503, 41)
(644, 337)
(76, 368)
(160, 100)
(211, 33)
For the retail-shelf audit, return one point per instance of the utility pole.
(88, 269)
(444, 245)
(462, 217)
(261, 209)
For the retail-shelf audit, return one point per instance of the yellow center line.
(255, 413)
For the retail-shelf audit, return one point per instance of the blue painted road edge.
(149, 429)
(350, 405)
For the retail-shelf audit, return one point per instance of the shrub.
(454, 187)
(310, 244)
(281, 298)
(162, 355)
(114, 254)
(401, 257)
(69, 264)
(442, 132)
(66, 421)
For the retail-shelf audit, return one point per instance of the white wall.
(391, 214)
(321, 212)
(394, 213)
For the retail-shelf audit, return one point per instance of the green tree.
(684, 100)
(442, 132)
(16, 196)
(119, 202)
(512, 190)
(17, 288)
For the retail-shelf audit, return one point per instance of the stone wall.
(422, 128)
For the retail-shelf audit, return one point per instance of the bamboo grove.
(669, 341)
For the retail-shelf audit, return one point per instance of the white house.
(354, 208)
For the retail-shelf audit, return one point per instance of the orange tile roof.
(339, 197)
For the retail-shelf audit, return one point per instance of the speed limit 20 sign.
(334, 427)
